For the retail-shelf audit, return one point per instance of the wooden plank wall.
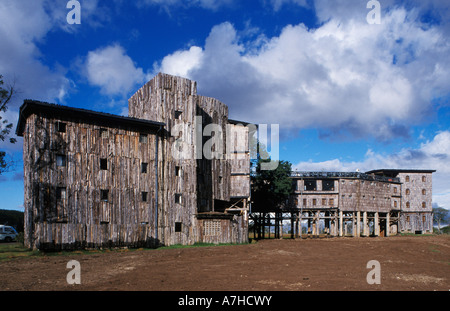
(118, 218)
(234, 230)
(239, 157)
(184, 184)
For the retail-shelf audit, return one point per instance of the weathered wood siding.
(86, 186)
(172, 100)
(78, 215)
(230, 230)
(416, 221)
(417, 191)
(238, 155)
(205, 177)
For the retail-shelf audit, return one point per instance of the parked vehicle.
(7, 233)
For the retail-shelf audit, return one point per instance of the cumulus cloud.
(349, 77)
(181, 62)
(111, 69)
(25, 24)
(434, 154)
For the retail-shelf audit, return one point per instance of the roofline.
(401, 171)
(32, 106)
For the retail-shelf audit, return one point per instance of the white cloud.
(434, 154)
(111, 69)
(342, 77)
(181, 62)
(24, 24)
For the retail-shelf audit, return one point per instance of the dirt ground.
(407, 263)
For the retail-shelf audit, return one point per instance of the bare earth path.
(416, 263)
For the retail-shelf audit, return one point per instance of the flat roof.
(33, 106)
(337, 175)
(390, 170)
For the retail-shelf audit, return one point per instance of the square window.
(178, 198)
(103, 164)
(310, 185)
(60, 127)
(61, 194)
(104, 194)
(178, 171)
(104, 133)
(144, 196)
(143, 138)
(144, 167)
(328, 185)
(178, 226)
(60, 160)
(178, 114)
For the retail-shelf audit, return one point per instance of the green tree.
(5, 127)
(440, 214)
(270, 188)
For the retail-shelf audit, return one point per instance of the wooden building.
(164, 175)
(375, 203)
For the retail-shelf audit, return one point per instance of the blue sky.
(347, 94)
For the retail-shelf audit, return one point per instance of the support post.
(341, 223)
(376, 225)
(365, 225)
(358, 224)
(388, 224)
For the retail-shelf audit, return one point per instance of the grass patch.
(9, 251)
(200, 244)
(13, 251)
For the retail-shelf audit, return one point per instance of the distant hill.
(12, 218)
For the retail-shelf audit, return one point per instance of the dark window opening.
(61, 127)
(104, 194)
(61, 194)
(178, 198)
(178, 114)
(310, 185)
(328, 185)
(144, 167)
(104, 133)
(144, 196)
(178, 226)
(178, 171)
(143, 138)
(103, 164)
(60, 160)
